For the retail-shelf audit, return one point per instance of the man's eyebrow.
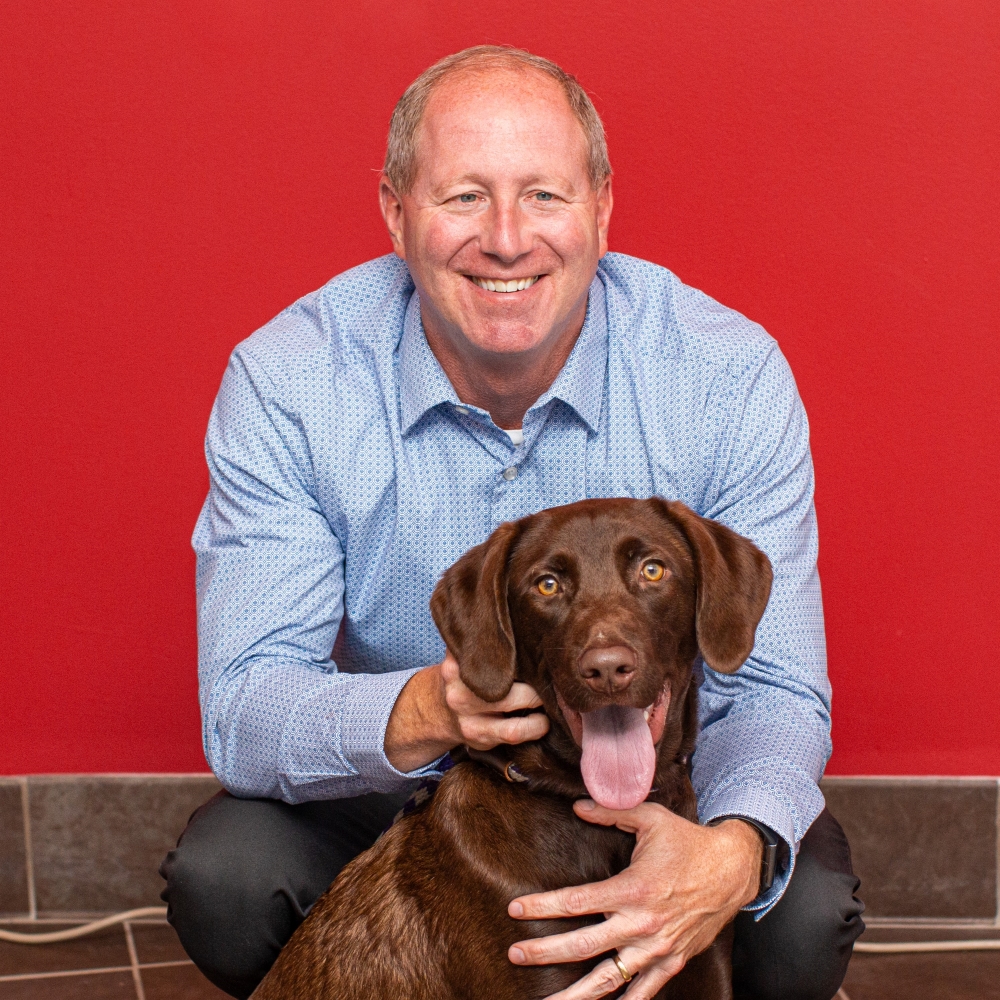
(477, 180)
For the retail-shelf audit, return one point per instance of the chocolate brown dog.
(602, 606)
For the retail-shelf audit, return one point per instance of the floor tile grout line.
(29, 856)
(133, 957)
(65, 973)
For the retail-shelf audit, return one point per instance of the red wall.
(175, 173)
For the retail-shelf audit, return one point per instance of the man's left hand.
(684, 884)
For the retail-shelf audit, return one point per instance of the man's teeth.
(515, 285)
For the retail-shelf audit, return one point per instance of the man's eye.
(467, 199)
(548, 585)
(544, 196)
(653, 571)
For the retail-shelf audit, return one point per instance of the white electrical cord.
(887, 948)
(916, 947)
(74, 932)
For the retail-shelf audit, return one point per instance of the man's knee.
(246, 872)
(231, 908)
(800, 950)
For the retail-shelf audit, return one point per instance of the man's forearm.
(747, 844)
(436, 711)
(420, 727)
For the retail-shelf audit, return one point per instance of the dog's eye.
(652, 571)
(548, 585)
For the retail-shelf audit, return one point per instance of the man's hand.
(685, 883)
(435, 711)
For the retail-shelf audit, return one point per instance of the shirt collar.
(423, 383)
(580, 384)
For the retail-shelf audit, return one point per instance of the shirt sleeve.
(765, 730)
(278, 718)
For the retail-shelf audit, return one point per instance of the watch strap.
(769, 859)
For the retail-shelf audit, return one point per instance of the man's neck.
(505, 385)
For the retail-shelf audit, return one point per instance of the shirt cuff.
(363, 720)
(757, 800)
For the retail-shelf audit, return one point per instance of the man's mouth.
(619, 748)
(500, 285)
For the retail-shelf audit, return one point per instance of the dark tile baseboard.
(86, 843)
(926, 849)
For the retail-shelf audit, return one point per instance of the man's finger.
(519, 697)
(573, 946)
(484, 732)
(606, 977)
(629, 820)
(577, 900)
(603, 979)
(649, 982)
(523, 729)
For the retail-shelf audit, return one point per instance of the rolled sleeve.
(279, 719)
(765, 730)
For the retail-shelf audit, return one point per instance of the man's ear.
(392, 211)
(734, 582)
(469, 606)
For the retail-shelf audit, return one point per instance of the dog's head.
(602, 606)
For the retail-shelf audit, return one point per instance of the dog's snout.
(607, 669)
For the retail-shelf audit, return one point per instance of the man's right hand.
(435, 711)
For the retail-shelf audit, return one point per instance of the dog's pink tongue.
(618, 756)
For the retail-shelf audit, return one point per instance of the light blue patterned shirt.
(346, 476)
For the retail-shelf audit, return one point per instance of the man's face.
(502, 193)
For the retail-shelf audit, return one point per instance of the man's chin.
(507, 338)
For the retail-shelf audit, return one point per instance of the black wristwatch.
(769, 860)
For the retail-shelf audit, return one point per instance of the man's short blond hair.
(401, 154)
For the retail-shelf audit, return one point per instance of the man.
(374, 431)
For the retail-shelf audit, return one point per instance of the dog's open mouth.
(619, 748)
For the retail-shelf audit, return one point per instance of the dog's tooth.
(645, 715)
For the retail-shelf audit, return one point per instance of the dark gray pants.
(246, 871)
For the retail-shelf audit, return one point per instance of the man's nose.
(505, 232)
(607, 669)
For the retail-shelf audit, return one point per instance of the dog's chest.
(518, 841)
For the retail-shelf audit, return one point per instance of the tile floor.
(969, 975)
(144, 961)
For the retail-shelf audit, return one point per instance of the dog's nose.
(607, 669)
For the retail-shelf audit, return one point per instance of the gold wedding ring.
(626, 975)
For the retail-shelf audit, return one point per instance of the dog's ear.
(469, 606)
(733, 581)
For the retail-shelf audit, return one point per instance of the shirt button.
(510, 473)
(464, 410)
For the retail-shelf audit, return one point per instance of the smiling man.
(501, 362)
